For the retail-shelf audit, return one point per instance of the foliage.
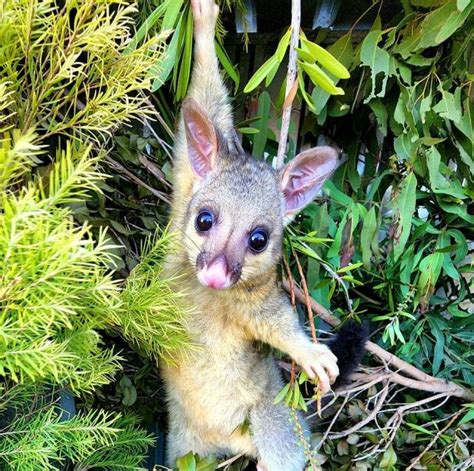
(176, 15)
(40, 436)
(388, 240)
(399, 218)
(67, 81)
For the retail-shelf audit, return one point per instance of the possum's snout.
(217, 273)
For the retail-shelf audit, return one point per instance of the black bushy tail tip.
(349, 347)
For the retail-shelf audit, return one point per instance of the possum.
(230, 212)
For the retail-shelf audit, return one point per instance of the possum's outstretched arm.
(206, 91)
(278, 326)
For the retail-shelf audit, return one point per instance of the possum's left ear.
(302, 178)
(201, 138)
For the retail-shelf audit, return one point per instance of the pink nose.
(215, 275)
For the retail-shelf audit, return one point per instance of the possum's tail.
(349, 346)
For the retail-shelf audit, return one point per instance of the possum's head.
(239, 207)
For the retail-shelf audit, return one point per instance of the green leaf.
(283, 46)
(369, 230)
(419, 428)
(171, 9)
(248, 130)
(263, 111)
(186, 462)
(337, 195)
(405, 208)
(282, 394)
(260, 74)
(321, 79)
(438, 352)
(454, 21)
(449, 107)
(389, 458)
(381, 114)
(466, 123)
(164, 68)
(343, 51)
(468, 417)
(378, 60)
(231, 71)
(441, 23)
(439, 183)
(462, 4)
(347, 268)
(304, 55)
(208, 463)
(326, 59)
(307, 98)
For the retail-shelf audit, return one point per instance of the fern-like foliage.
(152, 317)
(75, 75)
(55, 289)
(68, 78)
(37, 434)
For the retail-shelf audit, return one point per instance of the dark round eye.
(204, 221)
(258, 240)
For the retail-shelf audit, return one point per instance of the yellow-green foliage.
(67, 66)
(68, 78)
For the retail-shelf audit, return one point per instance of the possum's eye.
(258, 240)
(204, 220)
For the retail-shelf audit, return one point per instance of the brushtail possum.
(231, 211)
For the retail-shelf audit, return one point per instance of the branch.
(291, 82)
(132, 177)
(368, 419)
(420, 379)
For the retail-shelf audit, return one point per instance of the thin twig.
(307, 298)
(293, 303)
(131, 176)
(434, 440)
(153, 169)
(368, 419)
(333, 421)
(229, 461)
(290, 82)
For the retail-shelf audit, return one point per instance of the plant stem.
(290, 82)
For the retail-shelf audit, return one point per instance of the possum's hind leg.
(273, 432)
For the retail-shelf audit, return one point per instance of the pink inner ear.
(201, 150)
(305, 174)
(201, 138)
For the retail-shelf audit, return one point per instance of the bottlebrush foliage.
(68, 78)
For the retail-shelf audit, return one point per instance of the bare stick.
(369, 418)
(132, 177)
(307, 298)
(229, 461)
(290, 82)
(420, 379)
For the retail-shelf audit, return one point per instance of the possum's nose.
(215, 274)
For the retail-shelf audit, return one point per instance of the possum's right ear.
(201, 138)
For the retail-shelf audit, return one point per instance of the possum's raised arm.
(206, 107)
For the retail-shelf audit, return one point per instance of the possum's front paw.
(321, 362)
(205, 13)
